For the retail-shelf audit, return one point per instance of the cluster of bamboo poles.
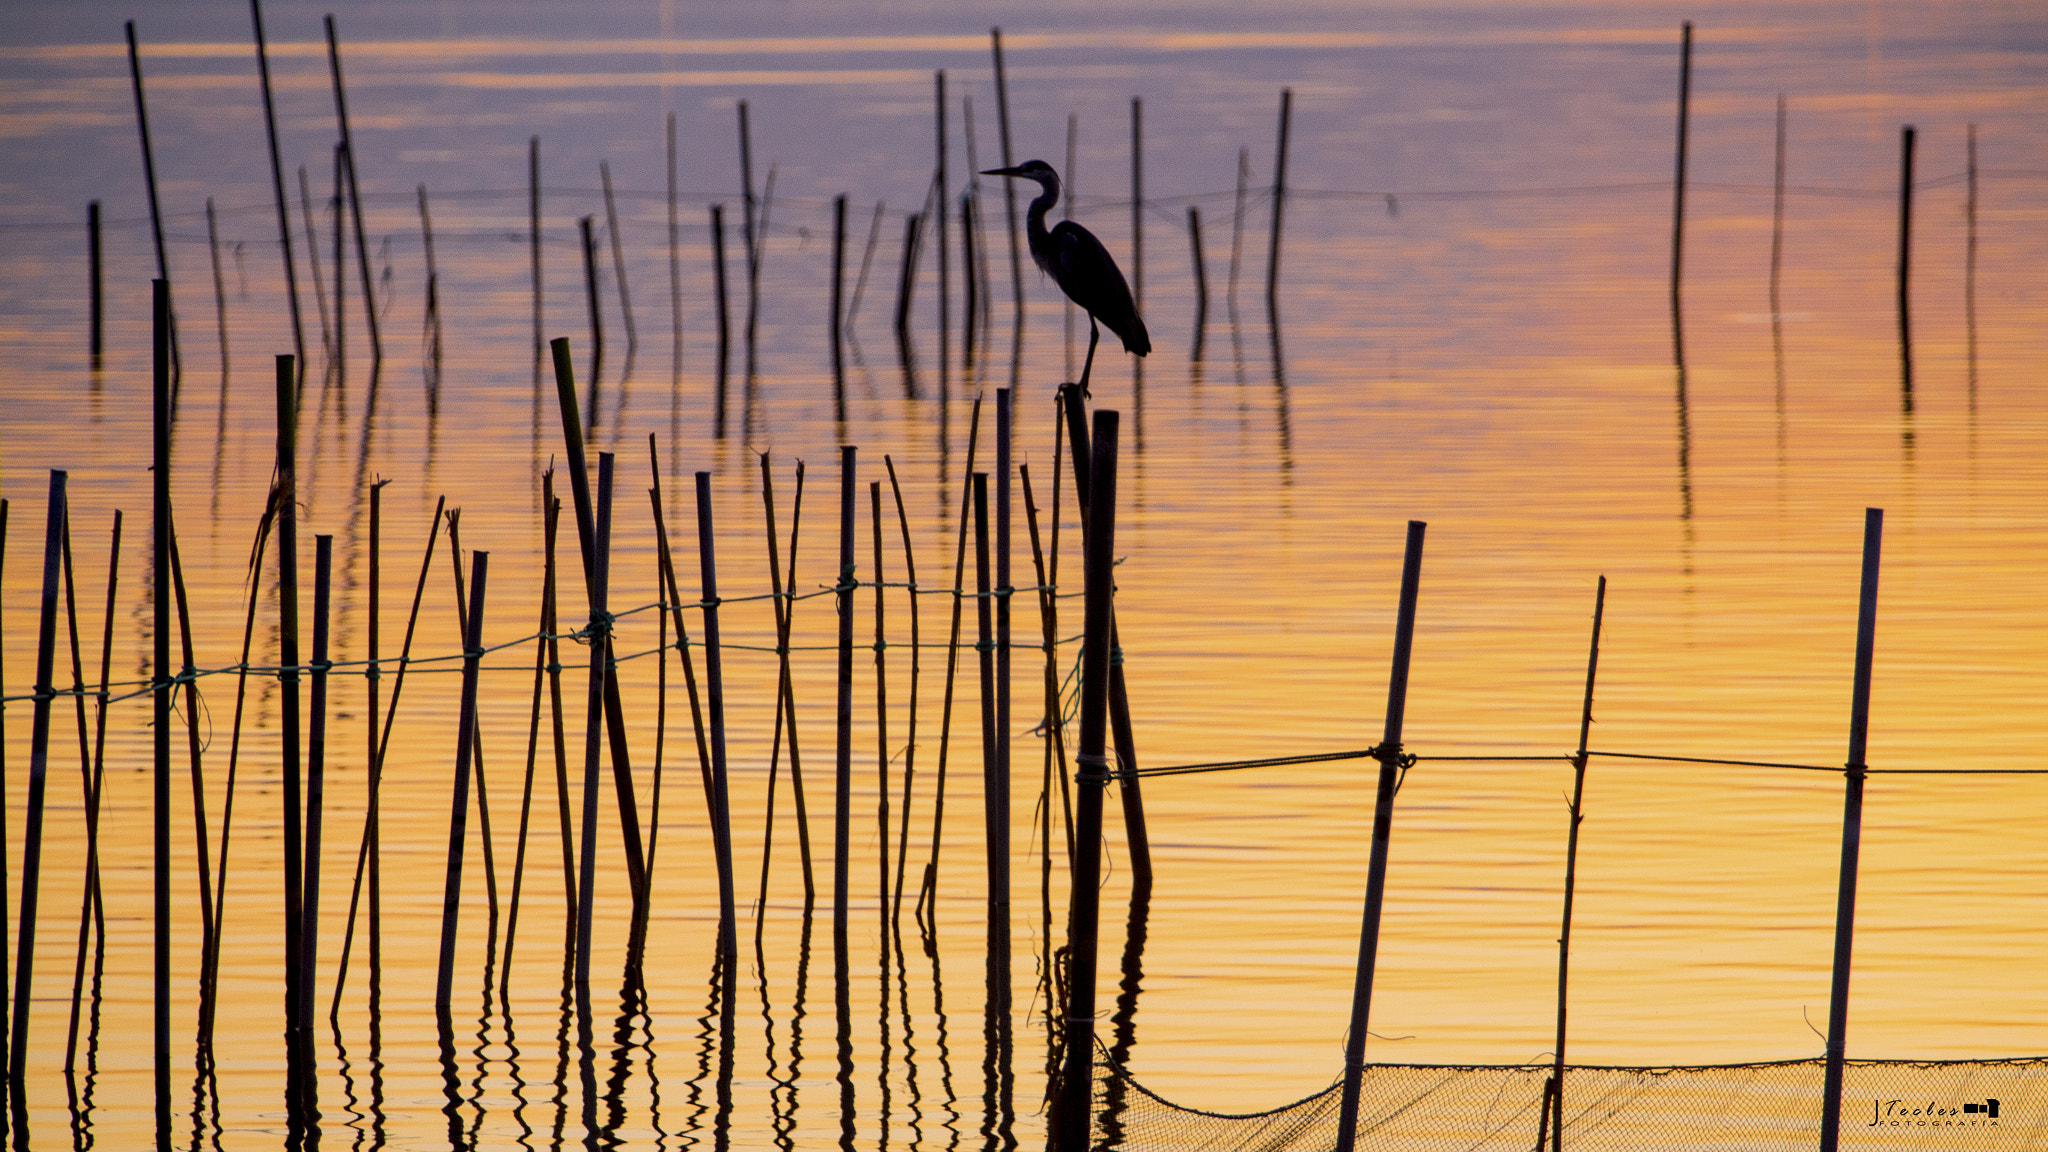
(305, 736)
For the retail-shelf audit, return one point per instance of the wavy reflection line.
(928, 934)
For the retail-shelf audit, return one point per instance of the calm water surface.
(1473, 331)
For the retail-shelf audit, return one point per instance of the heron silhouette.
(1081, 266)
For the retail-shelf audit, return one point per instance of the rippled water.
(1474, 331)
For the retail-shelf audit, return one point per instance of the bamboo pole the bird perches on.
(1072, 1094)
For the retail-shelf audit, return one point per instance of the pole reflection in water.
(1124, 1022)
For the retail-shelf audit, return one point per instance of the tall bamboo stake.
(316, 772)
(194, 742)
(540, 661)
(156, 216)
(785, 617)
(313, 270)
(1554, 1096)
(842, 780)
(1392, 764)
(533, 249)
(92, 912)
(355, 198)
(724, 313)
(163, 379)
(1073, 1094)
(881, 727)
(838, 308)
(284, 223)
(1854, 772)
(1678, 188)
(938, 216)
(6, 1027)
(1201, 278)
(597, 565)
(1006, 418)
(458, 810)
(753, 235)
(714, 702)
(928, 889)
(596, 313)
(995, 36)
(340, 207)
(298, 1046)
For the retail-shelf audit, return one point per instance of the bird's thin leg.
(1094, 338)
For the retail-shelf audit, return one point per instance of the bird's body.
(1080, 265)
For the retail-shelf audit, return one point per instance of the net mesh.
(1974, 1105)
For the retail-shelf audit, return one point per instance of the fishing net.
(1895, 1105)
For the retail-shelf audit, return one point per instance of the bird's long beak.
(1003, 172)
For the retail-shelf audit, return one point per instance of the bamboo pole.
(838, 309)
(156, 216)
(533, 249)
(313, 271)
(355, 199)
(882, 757)
(939, 217)
(458, 810)
(284, 223)
(32, 830)
(1392, 765)
(298, 1030)
(1279, 203)
(6, 1025)
(714, 701)
(1073, 1094)
(1138, 201)
(340, 206)
(1854, 772)
(1005, 422)
(928, 889)
(611, 228)
(724, 314)
(1201, 278)
(751, 232)
(916, 667)
(95, 282)
(1905, 269)
(860, 281)
(164, 383)
(1678, 188)
(316, 772)
(785, 693)
(842, 780)
(220, 292)
(675, 267)
(596, 313)
(597, 564)
(1010, 230)
(92, 912)
(1553, 1103)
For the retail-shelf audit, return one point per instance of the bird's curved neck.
(1034, 217)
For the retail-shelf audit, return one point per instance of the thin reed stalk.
(1201, 278)
(675, 267)
(367, 852)
(92, 912)
(882, 756)
(939, 217)
(928, 889)
(1678, 188)
(194, 744)
(433, 315)
(540, 663)
(611, 227)
(597, 570)
(483, 795)
(916, 666)
(595, 312)
(751, 235)
(458, 811)
(867, 257)
(682, 643)
(220, 292)
(1279, 205)
(784, 599)
(1054, 761)
(313, 270)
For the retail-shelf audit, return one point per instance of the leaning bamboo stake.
(156, 217)
(597, 569)
(540, 662)
(611, 227)
(458, 812)
(682, 641)
(1854, 772)
(1055, 758)
(284, 223)
(92, 913)
(38, 768)
(1392, 763)
(313, 270)
(928, 890)
(595, 312)
(366, 853)
(1279, 204)
(1678, 188)
(194, 746)
(355, 199)
(485, 839)
(785, 698)
(1553, 1097)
